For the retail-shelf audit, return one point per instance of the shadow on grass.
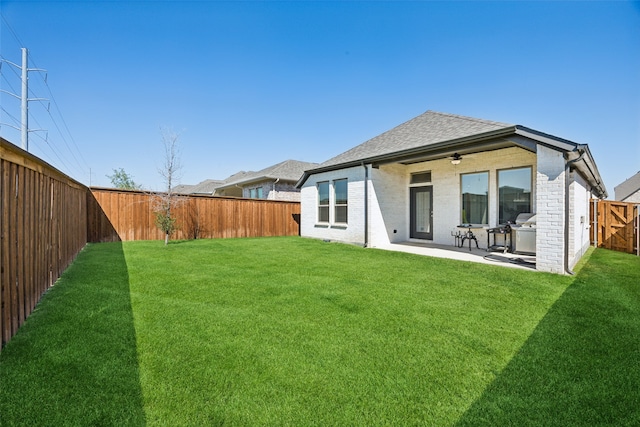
(581, 366)
(74, 361)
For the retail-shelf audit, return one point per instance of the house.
(277, 182)
(207, 187)
(629, 190)
(422, 179)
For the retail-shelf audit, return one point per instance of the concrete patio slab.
(464, 254)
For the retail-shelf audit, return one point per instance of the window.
(323, 201)
(475, 195)
(341, 199)
(420, 177)
(255, 193)
(514, 193)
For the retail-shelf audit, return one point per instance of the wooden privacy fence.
(47, 218)
(129, 215)
(615, 225)
(42, 227)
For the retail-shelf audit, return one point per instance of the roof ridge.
(471, 119)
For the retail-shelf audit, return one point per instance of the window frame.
(337, 205)
(322, 207)
(531, 187)
(417, 181)
(487, 173)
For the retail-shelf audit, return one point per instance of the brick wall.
(391, 192)
(579, 196)
(353, 231)
(286, 191)
(550, 205)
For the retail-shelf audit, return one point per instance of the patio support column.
(550, 210)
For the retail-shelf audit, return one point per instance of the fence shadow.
(580, 365)
(74, 362)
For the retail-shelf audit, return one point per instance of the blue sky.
(250, 84)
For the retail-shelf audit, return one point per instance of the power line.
(58, 121)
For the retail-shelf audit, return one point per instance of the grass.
(290, 331)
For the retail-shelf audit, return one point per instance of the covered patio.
(482, 256)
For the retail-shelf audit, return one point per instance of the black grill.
(505, 232)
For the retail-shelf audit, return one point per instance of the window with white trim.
(341, 201)
(323, 201)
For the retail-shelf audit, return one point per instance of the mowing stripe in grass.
(74, 362)
(291, 331)
(300, 332)
(581, 366)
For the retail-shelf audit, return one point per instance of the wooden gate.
(616, 225)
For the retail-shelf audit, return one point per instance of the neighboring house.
(420, 180)
(277, 182)
(207, 187)
(629, 190)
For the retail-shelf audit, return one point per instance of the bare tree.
(170, 172)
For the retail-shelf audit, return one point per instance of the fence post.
(595, 223)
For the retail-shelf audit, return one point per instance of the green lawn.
(291, 331)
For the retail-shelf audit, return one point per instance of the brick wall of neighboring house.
(634, 198)
(550, 203)
(274, 191)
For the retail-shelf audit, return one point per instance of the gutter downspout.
(366, 205)
(637, 230)
(273, 189)
(567, 201)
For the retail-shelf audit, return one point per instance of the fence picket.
(129, 216)
(616, 229)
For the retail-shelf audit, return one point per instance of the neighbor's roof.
(289, 170)
(208, 186)
(627, 188)
(434, 135)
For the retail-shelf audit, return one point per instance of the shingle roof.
(627, 188)
(432, 134)
(208, 186)
(289, 170)
(428, 128)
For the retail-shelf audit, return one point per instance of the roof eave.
(585, 163)
(253, 180)
(396, 155)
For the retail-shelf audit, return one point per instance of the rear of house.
(423, 179)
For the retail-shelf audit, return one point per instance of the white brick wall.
(550, 204)
(389, 198)
(353, 232)
(391, 189)
(579, 196)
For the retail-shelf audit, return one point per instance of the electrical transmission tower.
(24, 99)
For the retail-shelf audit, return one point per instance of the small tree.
(170, 174)
(121, 179)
